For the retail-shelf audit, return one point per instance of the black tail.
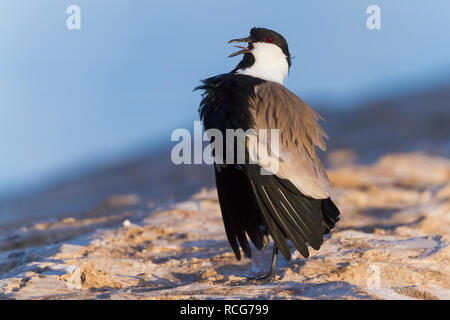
(240, 213)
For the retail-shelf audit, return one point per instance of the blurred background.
(88, 113)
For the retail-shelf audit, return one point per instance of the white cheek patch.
(270, 63)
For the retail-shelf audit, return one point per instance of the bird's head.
(266, 56)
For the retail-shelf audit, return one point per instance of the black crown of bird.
(292, 204)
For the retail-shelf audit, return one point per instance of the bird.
(293, 204)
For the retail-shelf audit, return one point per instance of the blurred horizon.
(73, 99)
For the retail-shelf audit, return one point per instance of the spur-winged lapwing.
(294, 203)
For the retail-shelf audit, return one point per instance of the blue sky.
(71, 98)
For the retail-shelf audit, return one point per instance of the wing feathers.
(330, 214)
(277, 234)
(298, 217)
(303, 223)
(239, 212)
(280, 217)
(275, 107)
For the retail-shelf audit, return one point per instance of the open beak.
(244, 49)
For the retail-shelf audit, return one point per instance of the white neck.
(270, 63)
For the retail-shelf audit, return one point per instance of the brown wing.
(275, 107)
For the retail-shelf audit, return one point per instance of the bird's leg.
(273, 268)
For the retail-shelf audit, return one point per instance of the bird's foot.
(270, 276)
(264, 278)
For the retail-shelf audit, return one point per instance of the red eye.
(269, 40)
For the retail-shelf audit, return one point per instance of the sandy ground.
(392, 243)
(151, 230)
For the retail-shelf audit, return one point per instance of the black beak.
(248, 39)
(244, 49)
